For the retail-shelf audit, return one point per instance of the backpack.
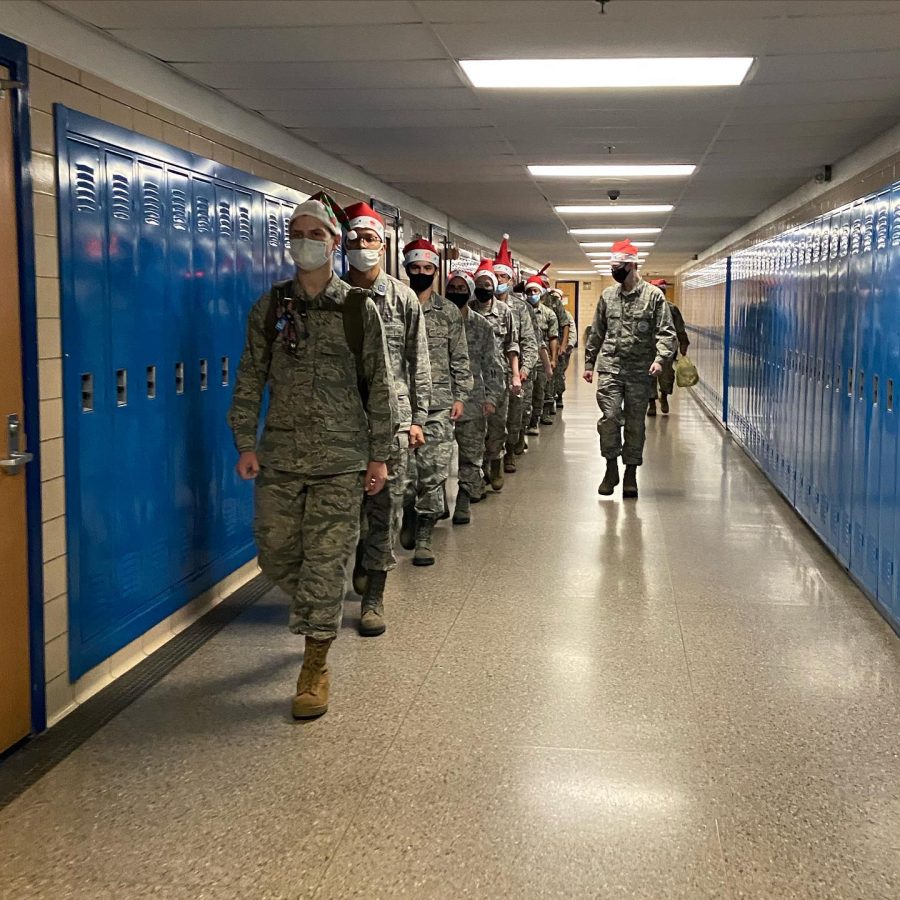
(352, 313)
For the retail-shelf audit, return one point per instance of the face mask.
(458, 298)
(621, 274)
(502, 289)
(420, 283)
(363, 260)
(308, 254)
(533, 299)
(483, 295)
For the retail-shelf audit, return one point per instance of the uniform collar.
(332, 289)
(635, 290)
(434, 301)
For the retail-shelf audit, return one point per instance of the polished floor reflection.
(682, 697)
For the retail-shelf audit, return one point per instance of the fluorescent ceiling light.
(610, 243)
(615, 210)
(610, 171)
(628, 232)
(722, 71)
(575, 271)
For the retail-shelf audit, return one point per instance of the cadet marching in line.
(372, 382)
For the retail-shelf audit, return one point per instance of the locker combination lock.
(17, 459)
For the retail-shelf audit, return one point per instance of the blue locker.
(890, 476)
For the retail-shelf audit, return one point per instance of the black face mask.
(621, 274)
(458, 299)
(483, 295)
(421, 283)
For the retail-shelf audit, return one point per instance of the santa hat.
(421, 251)
(321, 207)
(503, 262)
(545, 280)
(486, 267)
(466, 277)
(361, 215)
(624, 251)
(536, 281)
(661, 283)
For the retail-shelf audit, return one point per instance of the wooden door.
(15, 678)
(570, 297)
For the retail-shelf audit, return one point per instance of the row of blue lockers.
(162, 254)
(809, 353)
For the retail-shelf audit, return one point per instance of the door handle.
(17, 460)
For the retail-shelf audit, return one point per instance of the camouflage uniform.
(317, 442)
(451, 380)
(489, 385)
(565, 356)
(407, 346)
(630, 331)
(503, 323)
(564, 319)
(548, 329)
(666, 378)
(528, 360)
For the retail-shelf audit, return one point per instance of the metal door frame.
(14, 56)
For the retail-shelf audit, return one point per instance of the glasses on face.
(364, 241)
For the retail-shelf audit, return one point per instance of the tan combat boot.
(509, 462)
(496, 475)
(314, 682)
(424, 555)
(371, 622)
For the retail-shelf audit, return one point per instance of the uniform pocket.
(337, 393)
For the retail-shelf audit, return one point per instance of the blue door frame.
(14, 56)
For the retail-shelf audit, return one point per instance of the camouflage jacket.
(562, 316)
(528, 342)
(315, 424)
(547, 323)
(407, 344)
(486, 363)
(451, 378)
(680, 331)
(503, 323)
(630, 331)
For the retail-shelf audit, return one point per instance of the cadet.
(506, 336)
(666, 379)
(553, 299)
(633, 334)
(407, 349)
(528, 351)
(488, 368)
(548, 329)
(319, 437)
(451, 386)
(565, 350)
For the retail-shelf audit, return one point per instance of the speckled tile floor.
(679, 698)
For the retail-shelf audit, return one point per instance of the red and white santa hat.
(321, 207)
(503, 264)
(661, 283)
(486, 267)
(361, 215)
(466, 277)
(624, 251)
(421, 251)
(536, 281)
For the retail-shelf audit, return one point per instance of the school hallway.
(679, 697)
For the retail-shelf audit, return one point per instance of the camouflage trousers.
(430, 465)
(495, 442)
(665, 379)
(514, 416)
(539, 393)
(470, 434)
(383, 513)
(306, 529)
(623, 404)
(559, 376)
(531, 390)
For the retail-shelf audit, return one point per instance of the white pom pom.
(352, 235)
(505, 237)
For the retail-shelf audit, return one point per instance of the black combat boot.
(424, 555)
(559, 401)
(610, 479)
(371, 621)
(509, 462)
(664, 404)
(548, 413)
(629, 483)
(408, 527)
(651, 407)
(461, 514)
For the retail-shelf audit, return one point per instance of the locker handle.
(861, 385)
(179, 378)
(849, 382)
(225, 371)
(874, 390)
(204, 374)
(890, 395)
(151, 382)
(87, 392)
(121, 387)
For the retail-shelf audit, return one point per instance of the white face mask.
(363, 260)
(310, 255)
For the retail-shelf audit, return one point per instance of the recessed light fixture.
(627, 232)
(548, 74)
(611, 171)
(610, 243)
(616, 210)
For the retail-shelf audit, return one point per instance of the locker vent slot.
(868, 233)
(225, 219)
(152, 203)
(224, 371)
(849, 382)
(895, 230)
(875, 390)
(272, 230)
(151, 382)
(121, 387)
(881, 229)
(201, 207)
(87, 392)
(287, 232)
(890, 395)
(179, 210)
(121, 198)
(179, 378)
(85, 188)
(204, 374)
(245, 230)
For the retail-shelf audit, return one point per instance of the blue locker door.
(831, 437)
(822, 410)
(891, 452)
